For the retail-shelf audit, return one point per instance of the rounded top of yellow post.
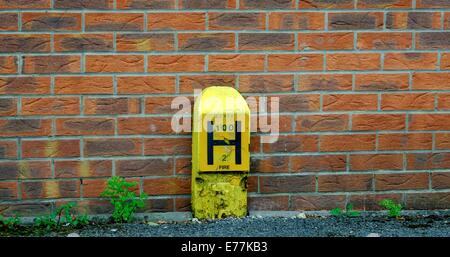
(216, 100)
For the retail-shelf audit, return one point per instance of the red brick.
(363, 162)
(144, 42)
(25, 170)
(83, 85)
(114, 63)
(370, 202)
(267, 203)
(27, 4)
(176, 21)
(384, 41)
(429, 122)
(330, 122)
(114, 21)
(25, 127)
(8, 190)
(159, 105)
(442, 141)
(8, 65)
(353, 61)
(271, 164)
(432, 4)
(410, 181)
(431, 81)
(295, 62)
(236, 62)
(8, 150)
(416, 141)
(325, 41)
(24, 85)
(183, 166)
(440, 180)
(410, 61)
(52, 64)
(287, 184)
(51, 189)
(237, 21)
(189, 83)
(433, 40)
(316, 163)
(139, 126)
(159, 205)
(24, 43)
(381, 82)
(112, 106)
(353, 182)
(266, 83)
(83, 42)
(293, 143)
(369, 122)
(319, 4)
(147, 167)
(176, 63)
(146, 85)
(167, 146)
(8, 106)
(350, 102)
(428, 161)
(84, 126)
(167, 186)
(113, 147)
(427, 201)
(355, 20)
(50, 148)
(9, 22)
(207, 4)
(80, 169)
(340, 143)
(416, 101)
(51, 22)
(93, 188)
(206, 41)
(413, 20)
(83, 4)
(296, 21)
(317, 202)
(325, 82)
(267, 4)
(369, 4)
(51, 106)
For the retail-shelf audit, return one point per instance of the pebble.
(373, 235)
(301, 215)
(114, 230)
(195, 220)
(73, 235)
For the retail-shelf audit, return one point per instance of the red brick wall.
(364, 87)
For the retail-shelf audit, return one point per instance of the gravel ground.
(410, 226)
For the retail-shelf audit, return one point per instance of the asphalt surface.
(413, 226)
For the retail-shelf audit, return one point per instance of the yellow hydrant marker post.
(220, 154)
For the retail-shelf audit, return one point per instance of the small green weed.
(61, 216)
(394, 208)
(10, 223)
(349, 212)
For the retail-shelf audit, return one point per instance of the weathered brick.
(429, 122)
(293, 143)
(237, 21)
(287, 184)
(51, 106)
(414, 101)
(26, 209)
(159, 105)
(267, 4)
(296, 21)
(266, 83)
(433, 40)
(325, 41)
(183, 165)
(440, 180)
(159, 205)
(93, 188)
(266, 41)
(8, 150)
(336, 183)
(112, 106)
(8, 190)
(206, 41)
(147, 167)
(377, 122)
(384, 41)
(83, 4)
(427, 201)
(189, 83)
(326, 4)
(428, 161)
(442, 141)
(413, 20)
(431, 81)
(344, 143)
(443, 101)
(167, 146)
(84, 126)
(353, 61)
(113, 147)
(317, 202)
(8, 65)
(325, 82)
(207, 4)
(381, 82)
(51, 189)
(350, 102)
(370, 202)
(9, 22)
(176, 21)
(148, 125)
(114, 63)
(317, 163)
(25, 170)
(236, 62)
(8, 106)
(176, 63)
(83, 42)
(167, 186)
(272, 164)
(145, 4)
(355, 20)
(51, 22)
(25, 127)
(285, 123)
(51, 64)
(384, 182)
(83, 85)
(25, 4)
(81, 169)
(143, 42)
(24, 85)
(416, 141)
(267, 203)
(114, 22)
(363, 162)
(298, 103)
(432, 4)
(146, 85)
(50, 148)
(329, 122)
(24, 43)
(295, 62)
(386, 4)
(410, 61)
